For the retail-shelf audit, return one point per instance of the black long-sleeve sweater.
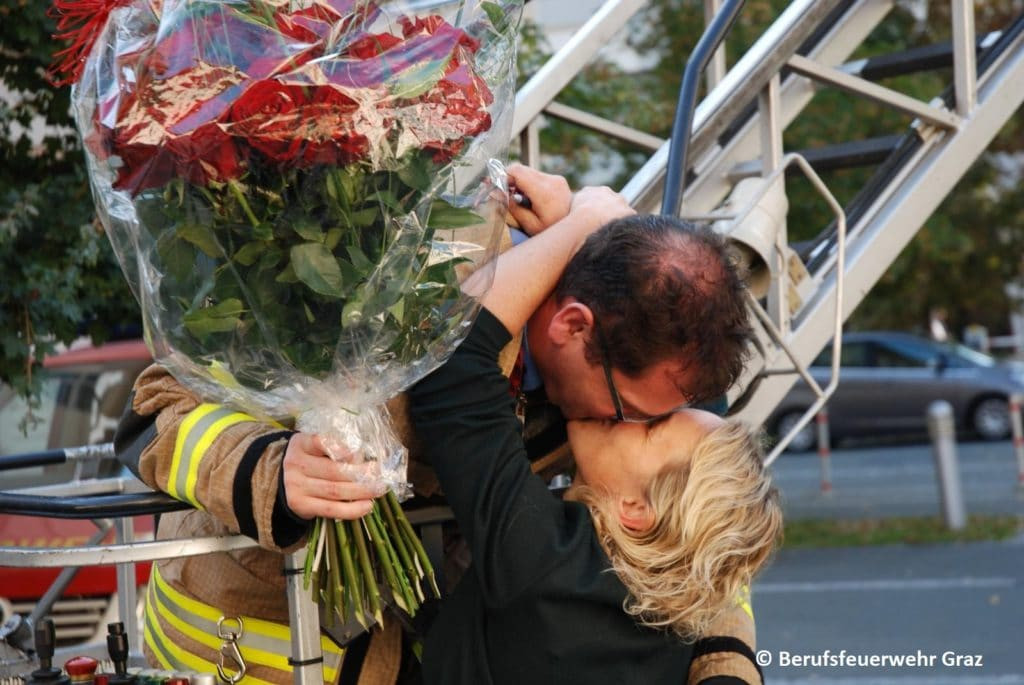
(540, 603)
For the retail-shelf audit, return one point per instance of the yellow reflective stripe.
(195, 435)
(744, 601)
(173, 657)
(258, 656)
(194, 417)
(254, 627)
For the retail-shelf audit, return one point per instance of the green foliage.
(60, 279)
(898, 531)
(291, 261)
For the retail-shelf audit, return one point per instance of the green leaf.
(445, 216)
(388, 199)
(287, 276)
(308, 229)
(263, 231)
(397, 310)
(333, 238)
(419, 78)
(201, 237)
(499, 19)
(359, 260)
(219, 318)
(365, 217)
(317, 268)
(250, 252)
(416, 173)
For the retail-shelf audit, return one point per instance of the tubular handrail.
(90, 507)
(682, 127)
(57, 456)
(719, 109)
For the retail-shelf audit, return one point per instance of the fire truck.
(83, 394)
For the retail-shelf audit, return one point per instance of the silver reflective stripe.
(155, 634)
(248, 638)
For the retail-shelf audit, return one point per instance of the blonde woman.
(667, 520)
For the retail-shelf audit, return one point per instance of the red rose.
(435, 25)
(298, 125)
(143, 167)
(372, 45)
(204, 155)
(317, 23)
(453, 110)
(207, 154)
(268, 117)
(328, 129)
(220, 35)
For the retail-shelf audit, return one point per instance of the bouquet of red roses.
(294, 190)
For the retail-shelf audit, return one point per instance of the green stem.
(237, 192)
(332, 592)
(307, 569)
(414, 541)
(403, 551)
(400, 588)
(377, 538)
(404, 580)
(363, 554)
(351, 579)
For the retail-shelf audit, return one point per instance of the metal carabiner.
(229, 650)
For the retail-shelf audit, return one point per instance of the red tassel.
(79, 22)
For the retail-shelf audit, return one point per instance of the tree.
(60, 278)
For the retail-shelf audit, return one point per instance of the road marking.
(1008, 679)
(874, 585)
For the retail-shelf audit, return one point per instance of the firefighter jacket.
(227, 465)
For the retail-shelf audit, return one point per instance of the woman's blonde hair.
(717, 520)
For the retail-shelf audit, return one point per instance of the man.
(267, 483)
(659, 303)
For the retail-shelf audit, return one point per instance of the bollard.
(824, 451)
(1016, 400)
(943, 435)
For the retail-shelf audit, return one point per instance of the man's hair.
(663, 288)
(717, 521)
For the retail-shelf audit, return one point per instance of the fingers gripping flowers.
(278, 180)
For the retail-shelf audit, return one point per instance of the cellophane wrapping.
(295, 190)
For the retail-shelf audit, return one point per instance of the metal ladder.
(737, 134)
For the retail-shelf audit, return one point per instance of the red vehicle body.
(84, 393)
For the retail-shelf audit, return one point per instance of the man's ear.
(571, 320)
(636, 513)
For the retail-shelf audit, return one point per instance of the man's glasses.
(620, 415)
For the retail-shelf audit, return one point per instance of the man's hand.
(316, 485)
(550, 198)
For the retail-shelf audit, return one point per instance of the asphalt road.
(936, 604)
(905, 615)
(897, 480)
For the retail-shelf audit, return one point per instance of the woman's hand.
(594, 206)
(316, 485)
(549, 195)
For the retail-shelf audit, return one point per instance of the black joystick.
(117, 647)
(46, 674)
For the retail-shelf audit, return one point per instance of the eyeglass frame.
(620, 416)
